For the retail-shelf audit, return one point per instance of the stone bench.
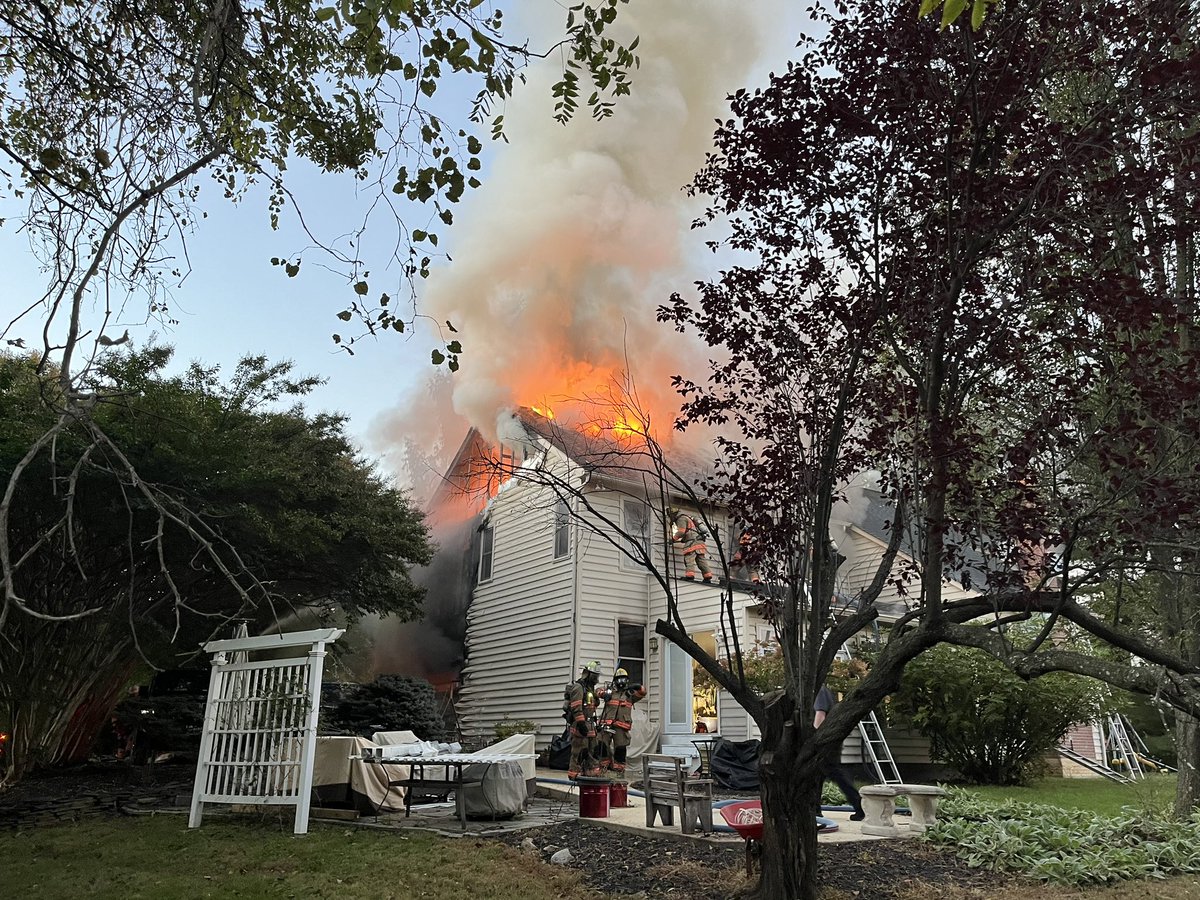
(879, 804)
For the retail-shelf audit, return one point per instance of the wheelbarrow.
(746, 818)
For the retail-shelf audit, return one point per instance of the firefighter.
(744, 558)
(687, 535)
(579, 709)
(617, 718)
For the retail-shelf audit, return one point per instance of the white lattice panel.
(260, 724)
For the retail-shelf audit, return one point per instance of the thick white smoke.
(562, 257)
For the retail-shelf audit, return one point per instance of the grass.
(158, 857)
(1156, 793)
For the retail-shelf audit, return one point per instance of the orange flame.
(592, 396)
(627, 426)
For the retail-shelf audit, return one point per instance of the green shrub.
(986, 722)
(1066, 846)
(389, 703)
(831, 795)
(507, 728)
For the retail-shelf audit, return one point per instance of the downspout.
(577, 547)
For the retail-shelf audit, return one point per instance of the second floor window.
(631, 651)
(562, 529)
(637, 528)
(487, 538)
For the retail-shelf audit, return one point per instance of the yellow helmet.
(592, 666)
(620, 673)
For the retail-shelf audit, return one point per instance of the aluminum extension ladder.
(875, 745)
(1123, 747)
(1091, 765)
(1143, 751)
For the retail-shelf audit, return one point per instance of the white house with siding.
(552, 591)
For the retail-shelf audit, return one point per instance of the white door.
(677, 691)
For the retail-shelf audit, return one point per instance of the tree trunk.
(91, 716)
(57, 687)
(1187, 745)
(791, 801)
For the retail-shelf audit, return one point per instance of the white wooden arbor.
(260, 723)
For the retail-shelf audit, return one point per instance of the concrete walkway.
(633, 817)
(557, 800)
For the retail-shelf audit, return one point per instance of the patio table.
(448, 763)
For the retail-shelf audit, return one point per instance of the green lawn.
(158, 858)
(1099, 795)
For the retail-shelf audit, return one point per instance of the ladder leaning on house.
(1091, 765)
(875, 745)
(1142, 750)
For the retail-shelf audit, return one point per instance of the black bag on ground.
(560, 751)
(734, 764)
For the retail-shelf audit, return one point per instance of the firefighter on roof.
(686, 535)
(617, 718)
(579, 709)
(744, 557)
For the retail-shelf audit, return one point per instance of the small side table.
(705, 746)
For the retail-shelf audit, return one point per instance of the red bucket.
(593, 798)
(618, 794)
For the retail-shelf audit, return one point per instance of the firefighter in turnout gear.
(686, 535)
(579, 709)
(617, 718)
(743, 558)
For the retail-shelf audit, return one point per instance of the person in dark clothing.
(833, 771)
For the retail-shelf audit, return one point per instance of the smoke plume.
(562, 257)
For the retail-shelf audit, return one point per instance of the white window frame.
(562, 529)
(487, 550)
(643, 659)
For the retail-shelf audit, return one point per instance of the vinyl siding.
(538, 619)
(612, 591)
(863, 554)
(519, 623)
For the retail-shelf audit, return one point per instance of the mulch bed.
(66, 795)
(625, 863)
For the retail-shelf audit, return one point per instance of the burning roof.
(613, 447)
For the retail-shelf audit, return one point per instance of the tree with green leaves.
(116, 113)
(389, 703)
(240, 509)
(988, 724)
(118, 119)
